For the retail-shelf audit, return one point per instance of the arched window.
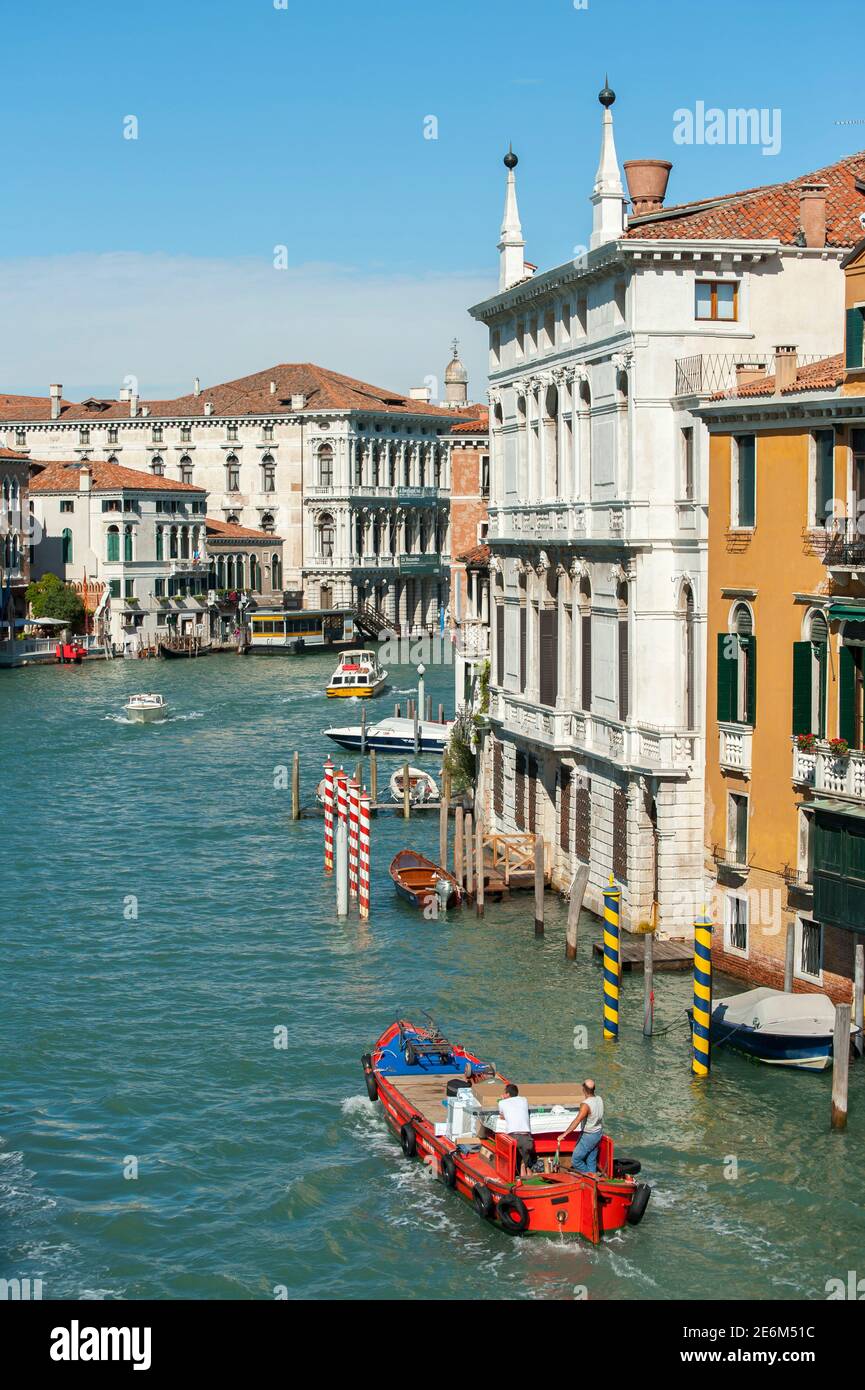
(737, 669)
(325, 466)
(267, 522)
(160, 543)
(184, 542)
(172, 544)
(157, 466)
(186, 469)
(268, 473)
(127, 545)
(232, 473)
(112, 553)
(551, 441)
(623, 651)
(229, 572)
(522, 449)
(67, 546)
(623, 436)
(254, 574)
(240, 570)
(585, 434)
(326, 536)
(810, 665)
(220, 572)
(689, 657)
(233, 519)
(276, 572)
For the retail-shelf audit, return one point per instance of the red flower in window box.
(806, 743)
(839, 747)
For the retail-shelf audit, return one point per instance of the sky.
(282, 200)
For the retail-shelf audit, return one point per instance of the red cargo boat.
(417, 1075)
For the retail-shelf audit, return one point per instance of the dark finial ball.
(510, 160)
(606, 96)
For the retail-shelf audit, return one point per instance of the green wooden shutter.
(728, 676)
(802, 712)
(821, 652)
(747, 480)
(847, 697)
(750, 646)
(855, 326)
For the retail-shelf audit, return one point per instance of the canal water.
(163, 920)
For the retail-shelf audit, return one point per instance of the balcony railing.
(640, 745)
(473, 640)
(731, 373)
(842, 543)
(734, 750)
(798, 880)
(828, 772)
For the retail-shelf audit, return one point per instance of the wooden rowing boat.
(441, 1102)
(421, 882)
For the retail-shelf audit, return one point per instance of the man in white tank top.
(589, 1125)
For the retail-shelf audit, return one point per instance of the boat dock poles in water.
(341, 781)
(859, 998)
(539, 885)
(479, 864)
(328, 817)
(469, 844)
(295, 787)
(373, 776)
(341, 869)
(406, 792)
(840, 1065)
(575, 904)
(363, 856)
(444, 798)
(789, 957)
(363, 731)
(700, 1046)
(612, 971)
(458, 846)
(649, 982)
(353, 818)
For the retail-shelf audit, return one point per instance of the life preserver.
(626, 1167)
(449, 1170)
(513, 1214)
(639, 1202)
(483, 1200)
(408, 1140)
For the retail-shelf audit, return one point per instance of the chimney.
(420, 393)
(208, 407)
(749, 372)
(273, 388)
(124, 394)
(812, 212)
(85, 478)
(786, 366)
(298, 401)
(133, 402)
(647, 184)
(56, 393)
(196, 386)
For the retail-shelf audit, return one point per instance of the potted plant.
(806, 743)
(839, 748)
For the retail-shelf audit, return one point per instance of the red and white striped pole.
(363, 855)
(341, 784)
(328, 817)
(353, 818)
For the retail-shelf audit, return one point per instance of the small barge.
(441, 1101)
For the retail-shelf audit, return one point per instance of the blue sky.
(303, 126)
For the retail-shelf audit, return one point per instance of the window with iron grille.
(498, 779)
(523, 624)
(811, 950)
(500, 644)
(583, 822)
(736, 923)
(565, 809)
(549, 655)
(620, 835)
(520, 791)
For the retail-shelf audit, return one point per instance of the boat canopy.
(772, 1011)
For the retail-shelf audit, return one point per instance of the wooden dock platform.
(666, 955)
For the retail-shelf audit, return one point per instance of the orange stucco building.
(785, 737)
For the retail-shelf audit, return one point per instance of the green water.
(151, 1038)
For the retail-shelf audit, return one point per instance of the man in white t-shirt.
(589, 1124)
(514, 1110)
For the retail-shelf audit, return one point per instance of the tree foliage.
(49, 597)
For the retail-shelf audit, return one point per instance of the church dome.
(455, 372)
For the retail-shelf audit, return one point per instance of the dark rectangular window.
(737, 923)
(523, 629)
(624, 680)
(737, 829)
(824, 491)
(586, 662)
(583, 822)
(565, 809)
(811, 954)
(500, 644)
(620, 835)
(855, 347)
(498, 780)
(520, 791)
(746, 483)
(688, 464)
(549, 655)
(532, 789)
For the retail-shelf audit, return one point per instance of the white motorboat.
(785, 1030)
(394, 736)
(358, 674)
(145, 709)
(422, 787)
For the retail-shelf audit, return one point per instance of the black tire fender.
(639, 1202)
(371, 1085)
(483, 1202)
(449, 1170)
(408, 1140)
(513, 1214)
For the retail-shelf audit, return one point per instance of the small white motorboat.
(422, 787)
(394, 736)
(144, 709)
(358, 674)
(785, 1030)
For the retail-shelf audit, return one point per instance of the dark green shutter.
(802, 713)
(847, 700)
(728, 676)
(750, 645)
(747, 480)
(821, 652)
(855, 325)
(825, 476)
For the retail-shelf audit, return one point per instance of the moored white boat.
(358, 675)
(394, 736)
(785, 1030)
(144, 709)
(422, 787)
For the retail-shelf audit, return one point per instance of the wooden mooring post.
(479, 867)
(295, 787)
(539, 885)
(840, 1066)
(363, 731)
(575, 906)
(341, 874)
(441, 714)
(458, 845)
(373, 776)
(416, 734)
(443, 822)
(859, 998)
(789, 957)
(648, 984)
(406, 792)
(470, 844)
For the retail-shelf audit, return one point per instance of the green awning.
(834, 808)
(846, 610)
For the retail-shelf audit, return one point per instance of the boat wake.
(153, 723)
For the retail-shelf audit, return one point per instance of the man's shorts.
(525, 1147)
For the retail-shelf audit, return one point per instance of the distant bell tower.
(608, 196)
(511, 245)
(456, 380)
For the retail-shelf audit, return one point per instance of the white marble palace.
(598, 502)
(356, 479)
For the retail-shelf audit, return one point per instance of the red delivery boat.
(451, 1123)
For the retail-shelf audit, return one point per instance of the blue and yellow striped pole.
(701, 1059)
(612, 967)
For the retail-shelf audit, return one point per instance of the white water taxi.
(359, 674)
(144, 709)
(394, 736)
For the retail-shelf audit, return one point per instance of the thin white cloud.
(89, 320)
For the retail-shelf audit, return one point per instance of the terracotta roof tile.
(824, 375)
(479, 555)
(13, 455)
(323, 390)
(229, 530)
(107, 477)
(767, 213)
(478, 421)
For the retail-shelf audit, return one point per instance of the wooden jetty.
(666, 955)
